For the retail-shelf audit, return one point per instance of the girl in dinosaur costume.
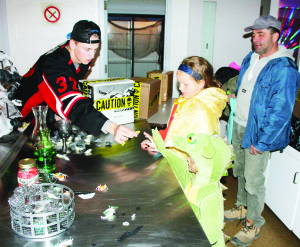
(197, 110)
(199, 107)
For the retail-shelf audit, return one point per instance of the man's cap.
(83, 30)
(264, 22)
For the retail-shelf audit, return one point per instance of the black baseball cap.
(83, 30)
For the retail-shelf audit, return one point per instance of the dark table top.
(138, 183)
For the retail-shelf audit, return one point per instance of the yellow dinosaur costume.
(198, 115)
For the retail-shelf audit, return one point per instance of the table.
(161, 117)
(138, 183)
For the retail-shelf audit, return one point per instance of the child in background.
(197, 111)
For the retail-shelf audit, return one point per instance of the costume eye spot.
(191, 139)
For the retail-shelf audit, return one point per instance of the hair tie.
(197, 76)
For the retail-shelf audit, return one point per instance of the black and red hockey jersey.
(53, 80)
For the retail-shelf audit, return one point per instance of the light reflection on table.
(138, 183)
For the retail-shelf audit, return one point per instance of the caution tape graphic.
(136, 99)
(153, 101)
(113, 103)
(85, 87)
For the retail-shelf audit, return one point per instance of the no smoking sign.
(52, 14)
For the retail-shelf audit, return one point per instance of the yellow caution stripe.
(153, 101)
(113, 103)
(85, 84)
(136, 99)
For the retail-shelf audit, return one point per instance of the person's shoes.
(247, 234)
(236, 213)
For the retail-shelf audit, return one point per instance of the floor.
(273, 234)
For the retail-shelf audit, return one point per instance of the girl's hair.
(203, 67)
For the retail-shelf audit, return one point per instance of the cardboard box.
(166, 86)
(147, 97)
(113, 97)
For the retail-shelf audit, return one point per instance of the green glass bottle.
(45, 152)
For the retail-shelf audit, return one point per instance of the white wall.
(178, 37)
(230, 46)
(30, 37)
(274, 7)
(231, 18)
(4, 42)
(195, 27)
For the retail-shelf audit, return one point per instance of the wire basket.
(42, 210)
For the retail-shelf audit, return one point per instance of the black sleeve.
(60, 91)
(86, 117)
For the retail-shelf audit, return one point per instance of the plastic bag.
(230, 120)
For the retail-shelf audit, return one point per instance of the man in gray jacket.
(266, 92)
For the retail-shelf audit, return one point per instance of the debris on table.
(52, 195)
(60, 176)
(87, 196)
(63, 156)
(88, 139)
(102, 188)
(64, 243)
(108, 144)
(88, 152)
(133, 217)
(129, 234)
(110, 213)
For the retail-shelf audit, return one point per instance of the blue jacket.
(272, 103)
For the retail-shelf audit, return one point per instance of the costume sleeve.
(59, 89)
(194, 117)
(202, 121)
(279, 110)
(178, 164)
(164, 132)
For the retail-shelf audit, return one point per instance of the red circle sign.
(52, 14)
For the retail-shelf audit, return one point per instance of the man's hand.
(120, 132)
(254, 150)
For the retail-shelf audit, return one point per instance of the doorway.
(135, 44)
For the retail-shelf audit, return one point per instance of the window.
(135, 44)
